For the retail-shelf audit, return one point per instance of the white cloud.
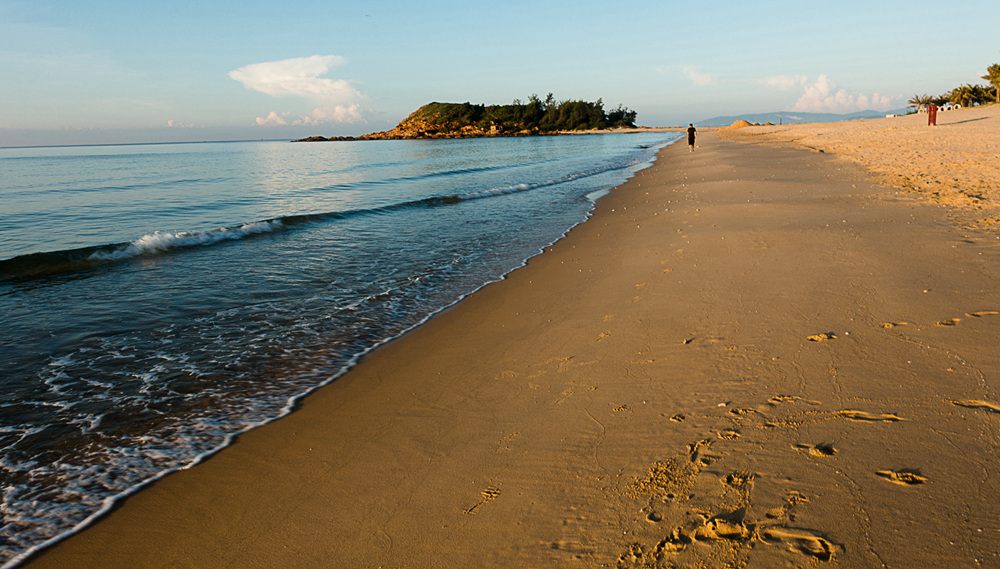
(339, 113)
(823, 96)
(319, 116)
(696, 76)
(272, 119)
(178, 124)
(302, 77)
(298, 77)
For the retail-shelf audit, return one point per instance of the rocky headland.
(465, 120)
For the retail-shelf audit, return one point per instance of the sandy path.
(749, 357)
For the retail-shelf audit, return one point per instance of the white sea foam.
(84, 488)
(159, 242)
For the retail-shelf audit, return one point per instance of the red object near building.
(932, 115)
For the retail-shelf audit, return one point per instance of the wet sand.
(751, 356)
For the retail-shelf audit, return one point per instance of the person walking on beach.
(691, 132)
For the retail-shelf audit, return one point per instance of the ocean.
(158, 300)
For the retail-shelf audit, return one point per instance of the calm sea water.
(158, 300)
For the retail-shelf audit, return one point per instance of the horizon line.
(143, 143)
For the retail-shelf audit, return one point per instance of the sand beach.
(753, 355)
(955, 163)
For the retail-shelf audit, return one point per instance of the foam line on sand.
(644, 393)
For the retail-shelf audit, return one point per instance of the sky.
(110, 71)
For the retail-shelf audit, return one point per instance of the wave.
(362, 184)
(160, 242)
(71, 260)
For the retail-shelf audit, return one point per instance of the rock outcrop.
(466, 120)
(438, 120)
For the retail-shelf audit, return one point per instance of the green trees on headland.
(465, 120)
(535, 115)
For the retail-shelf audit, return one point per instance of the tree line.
(965, 95)
(536, 114)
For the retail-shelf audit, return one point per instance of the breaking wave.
(41, 264)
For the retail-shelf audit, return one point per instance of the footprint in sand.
(731, 527)
(822, 337)
(729, 435)
(740, 478)
(977, 404)
(784, 513)
(801, 541)
(820, 450)
(870, 417)
(894, 324)
(506, 441)
(903, 477)
(982, 313)
(791, 399)
(633, 556)
(728, 526)
(489, 494)
(668, 480)
(695, 449)
(949, 322)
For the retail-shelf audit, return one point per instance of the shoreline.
(112, 502)
(563, 413)
(458, 136)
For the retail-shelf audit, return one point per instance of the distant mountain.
(786, 117)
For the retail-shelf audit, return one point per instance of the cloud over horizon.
(819, 96)
(822, 96)
(698, 77)
(302, 77)
(319, 116)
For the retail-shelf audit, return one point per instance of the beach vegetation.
(520, 118)
(622, 116)
(966, 95)
(993, 76)
(982, 95)
(969, 95)
(535, 116)
(917, 102)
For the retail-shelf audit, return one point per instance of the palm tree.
(981, 94)
(918, 101)
(993, 76)
(963, 95)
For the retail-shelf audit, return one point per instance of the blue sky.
(107, 71)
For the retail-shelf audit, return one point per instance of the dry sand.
(749, 357)
(956, 163)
